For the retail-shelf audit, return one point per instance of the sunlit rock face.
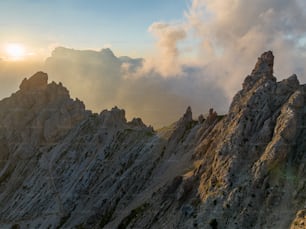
(64, 167)
(38, 114)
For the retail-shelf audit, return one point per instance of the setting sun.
(15, 51)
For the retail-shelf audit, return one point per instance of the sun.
(15, 51)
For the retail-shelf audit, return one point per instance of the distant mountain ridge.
(62, 166)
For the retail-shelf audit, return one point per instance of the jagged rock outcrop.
(36, 117)
(65, 167)
(38, 114)
(37, 81)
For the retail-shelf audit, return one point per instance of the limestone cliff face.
(37, 115)
(64, 167)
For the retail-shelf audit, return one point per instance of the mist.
(232, 34)
(168, 36)
(12, 72)
(200, 60)
(103, 80)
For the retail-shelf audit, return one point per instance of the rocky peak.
(183, 124)
(37, 81)
(119, 114)
(212, 115)
(292, 82)
(264, 64)
(262, 72)
(57, 91)
(137, 122)
(38, 114)
(246, 170)
(37, 90)
(187, 117)
(113, 118)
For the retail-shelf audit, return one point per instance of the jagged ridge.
(64, 167)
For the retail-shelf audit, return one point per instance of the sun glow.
(15, 51)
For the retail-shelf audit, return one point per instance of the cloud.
(168, 36)
(103, 80)
(225, 36)
(233, 33)
(228, 36)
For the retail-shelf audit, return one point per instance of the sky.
(181, 52)
(85, 24)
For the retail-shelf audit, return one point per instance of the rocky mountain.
(64, 167)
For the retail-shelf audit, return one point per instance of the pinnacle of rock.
(212, 115)
(185, 119)
(264, 64)
(119, 114)
(262, 72)
(113, 118)
(188, 115)
(64, 168)
(38, 81)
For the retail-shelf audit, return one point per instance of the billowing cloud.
(103, 80)
(225, 36)
(228, 36)
(233, 33)
(168, 36)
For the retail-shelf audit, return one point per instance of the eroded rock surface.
(64, 167)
